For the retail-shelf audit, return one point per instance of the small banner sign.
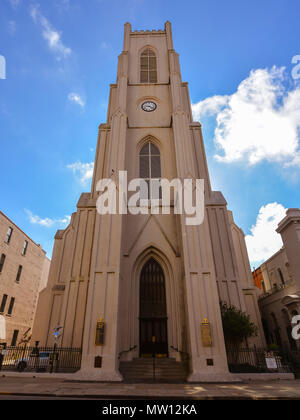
(206, 334)
(271, 363)
(100, 330)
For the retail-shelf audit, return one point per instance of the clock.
(149, 106)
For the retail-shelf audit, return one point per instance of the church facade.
(152, 281)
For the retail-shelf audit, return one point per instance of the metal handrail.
(126, 351)
(277, 288)
(187, 355)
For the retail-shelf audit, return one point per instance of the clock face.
(149, 106)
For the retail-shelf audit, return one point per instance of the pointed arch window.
(148, 66)
(150, 170)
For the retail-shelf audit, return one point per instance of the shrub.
(237, 325)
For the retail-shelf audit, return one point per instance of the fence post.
(52, 358)
(37, 356)
(24, 351)
(2, 350)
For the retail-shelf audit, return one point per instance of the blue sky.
(61, 56)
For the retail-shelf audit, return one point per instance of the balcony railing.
(276, 288)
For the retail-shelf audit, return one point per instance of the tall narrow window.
(148, 66)
(14, 338)
(150, 170)
(19, 274)
(281, 276)
(3, 303)
(24, 250)
(8, 235)
(11, 306)
(2, 260)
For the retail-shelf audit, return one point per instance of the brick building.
(24, 271)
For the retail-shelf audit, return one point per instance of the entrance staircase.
(154, 370)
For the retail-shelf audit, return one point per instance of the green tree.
(237, 325)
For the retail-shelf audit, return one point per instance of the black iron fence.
(295, 362)
(259, 361)
(41, 359)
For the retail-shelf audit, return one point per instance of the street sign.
(271, 363)
(57, 333)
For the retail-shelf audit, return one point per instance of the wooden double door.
(153, 311)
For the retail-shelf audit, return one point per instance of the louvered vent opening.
(150, 170)
(148, 66)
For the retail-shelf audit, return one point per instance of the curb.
(144, 397)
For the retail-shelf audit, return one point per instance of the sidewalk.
(61, 388)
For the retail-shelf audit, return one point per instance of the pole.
(24, 350)
(2, 349)
(52, 358)
(153, 356)
(37, 356)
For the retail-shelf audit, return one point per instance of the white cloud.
(260, 121)
(264, 241)
(104, 45)
(50, 34)
(63, 5)
(74, 97)
(209, 106)
(46, 222)
(15, 3)
(85, 170)
(12, 27)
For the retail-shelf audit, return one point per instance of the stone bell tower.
(154, 281)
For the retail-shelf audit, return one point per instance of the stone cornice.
(292, 216)
(86, 201)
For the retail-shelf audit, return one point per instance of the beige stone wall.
(245, 280)
(289, 229)
(270, 270)
(63, 301)
(34, 276)
(277, 310)
(282, 300)
(97, 260)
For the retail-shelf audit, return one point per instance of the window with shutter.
(8, 235)
(24, 250)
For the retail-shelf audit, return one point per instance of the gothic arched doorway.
(153, 311)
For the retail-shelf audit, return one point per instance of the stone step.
(165, 370)
(142, 374)
(148, 369)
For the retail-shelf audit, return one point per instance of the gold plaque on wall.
(100, 329)
(206, 334)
